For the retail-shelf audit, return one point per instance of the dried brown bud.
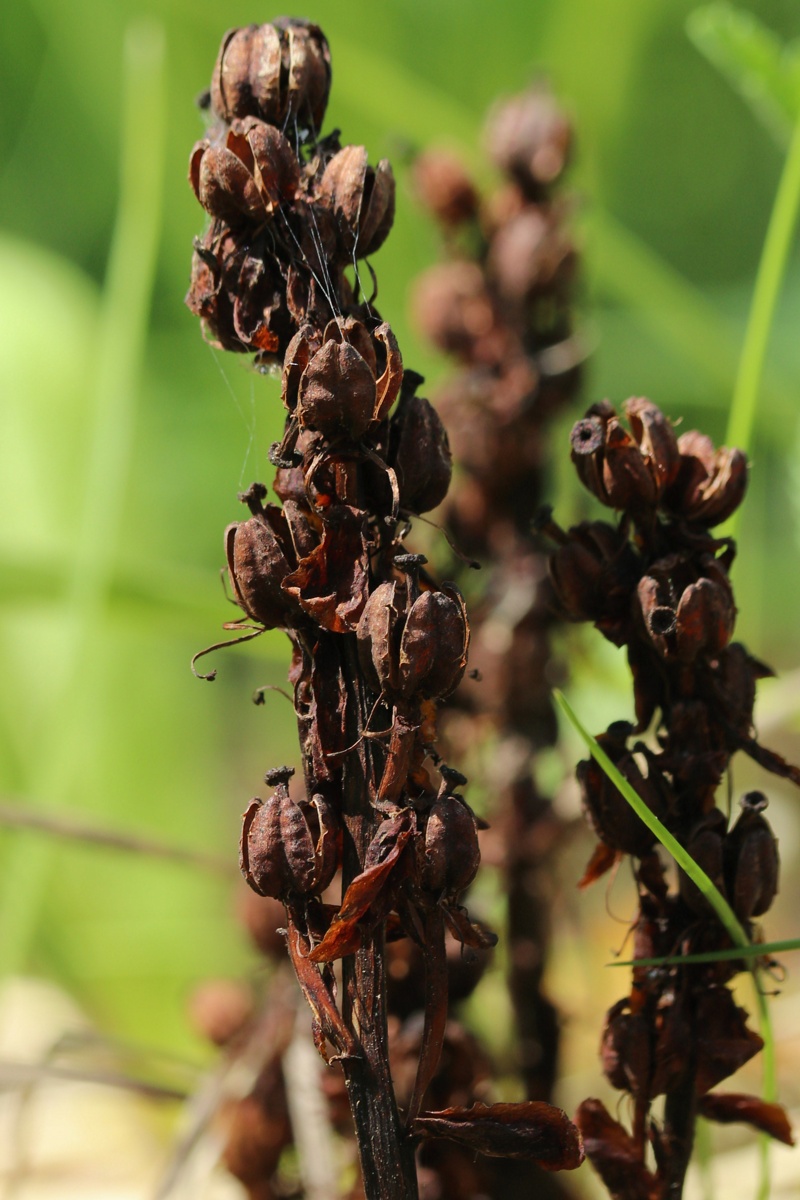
(530, 138)
(751, 860)
(444, 187)
(288, 849)
(710, 483)
(361, 198)
(449, 855)
(273, 72)
(625, 470)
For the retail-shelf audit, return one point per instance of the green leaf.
(764, 70)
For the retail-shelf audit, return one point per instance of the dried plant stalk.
(658, 584)
(377, 642)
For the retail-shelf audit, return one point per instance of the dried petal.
(331, 583)
(367, 889)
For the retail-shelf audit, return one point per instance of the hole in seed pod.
(587, 435)
(661, 621)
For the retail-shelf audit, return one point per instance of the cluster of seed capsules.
(657, 583)
(502, 305)
(377, 643)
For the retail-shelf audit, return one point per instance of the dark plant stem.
(385, 1153)
(680, 1117)
(529, 935)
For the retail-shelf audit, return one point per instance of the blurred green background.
(125, 438)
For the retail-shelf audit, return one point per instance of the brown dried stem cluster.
(377, 643)
(502, 306)
(657, 582)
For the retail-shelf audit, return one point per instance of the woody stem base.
(386, 1154)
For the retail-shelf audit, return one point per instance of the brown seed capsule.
(710, 483)
(288, 849)
(361, 198)
(376, 653)
(249, 177)
(606, 809)
(273, 72)
(421, 456)
(453, 308)
(445, 188)
(751, 860)
(530, 256)
(687, 606)
(625, 471)
(239, 297)
(449, 855)
(530, 138)
(259, 559)
(434, 645)
(594, 573)
(706, 845)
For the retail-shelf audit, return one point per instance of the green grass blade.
(753, 950)
(684, 860)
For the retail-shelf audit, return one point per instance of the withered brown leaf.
(727, 1107)
(532, 1130)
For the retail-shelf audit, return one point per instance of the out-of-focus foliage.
(674, 181)
(763, 68)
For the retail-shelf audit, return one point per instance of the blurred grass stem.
(121, 341)
(771, 271)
